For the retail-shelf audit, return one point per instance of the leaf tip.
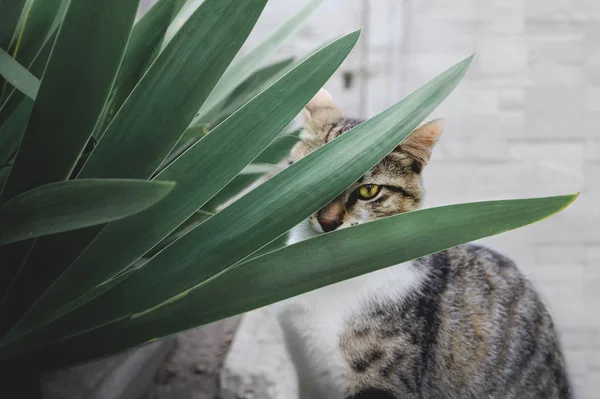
(466, 62)
(569, 199)
(356, 33)
(166, 185)
(572, 198)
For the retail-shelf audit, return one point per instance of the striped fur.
(476, 329)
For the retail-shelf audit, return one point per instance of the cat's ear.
(321, 111)
(419, 144)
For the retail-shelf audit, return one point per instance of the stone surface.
(191, 371)
(256, 365)
(125, 376)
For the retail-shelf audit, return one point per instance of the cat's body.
(463, 323)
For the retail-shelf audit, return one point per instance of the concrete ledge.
(192, 369)
(258, 365)
(124, 376)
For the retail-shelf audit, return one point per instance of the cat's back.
(475, 328)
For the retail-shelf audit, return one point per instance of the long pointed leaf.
(18, 76)
(145, 38)
(256, 83)
(225, 152)
(276, 152)
(43, 18)
(330, 258)
(154, 116)
(36, 67)
(35, 61)
(282, 202)
(12, 131)
(10, 10)
(262, 215)
(69, 101)
(75, 87)
(260, 168)
(302, 267)
(146, 127)
(70, 205)
(241, 69)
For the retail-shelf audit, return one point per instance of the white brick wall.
(529, 128)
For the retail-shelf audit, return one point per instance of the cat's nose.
(328, 224)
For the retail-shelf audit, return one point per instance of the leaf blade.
(245, 66)
(305, 266)
(329, 258)
(43, 18)
(142, 133)
(216, 31)
(9, 18)
(276, 206)
(275, 153)
(225, 151)
(145, 38)
(18, 76)
(73, 91)
(63, 206)
(265, 213)
(12, 131)
(248, 89)
(68, 104)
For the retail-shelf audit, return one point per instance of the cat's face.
(392, 186)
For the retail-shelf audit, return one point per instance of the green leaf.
(262, 215)
(287, 198)
(246, 65)
(37, 67)
(3, 175)
(260, 169)
(10, 10)
(145, 38)
(12, 131)
(256, 83)
(26, 51)
(305, 266)
(43, 19)
(159, 109)
(146, 127)
(225, 152)
(277, 151)
(75, 87)
(340, 255)
(192, 222)
(184, 9)
(76, 84)
(273, 154)
(70, 205)
(18, 76)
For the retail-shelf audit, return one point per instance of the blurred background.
(524, 122)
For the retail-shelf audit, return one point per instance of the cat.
(462, 323)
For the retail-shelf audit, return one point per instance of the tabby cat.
(462, 323)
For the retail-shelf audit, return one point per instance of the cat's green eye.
(368, 191)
